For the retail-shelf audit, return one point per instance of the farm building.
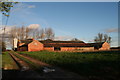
(50, 45)
(29, 45)
(100, 46)
(66, 45)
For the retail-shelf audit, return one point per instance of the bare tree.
(27, 32)
(19, 32)
(99, 38)
(105, 37)
(37, 34)
(13, 32)
(49, 34)
(2, 45)
(96, 39)
(22, 33)
(102, 38)
(109, 39)
(42, 34)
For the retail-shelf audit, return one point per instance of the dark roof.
(26, 41)
(23, 45)
(51, 41)
(115, 48)
(96, 45)
(66, 45)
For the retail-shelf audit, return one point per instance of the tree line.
(23, 33)
(102, 38)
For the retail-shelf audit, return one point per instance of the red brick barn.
(65, 45)
(50, 45)
(30, 45)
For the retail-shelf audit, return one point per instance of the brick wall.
(105, 46)
(76, 48)
(49, 48)
(35, 46)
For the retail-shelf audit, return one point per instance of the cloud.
(110, 30)
(63, 37)
(8, 28)
(7, 31)
(31, 6)
(22, 6)
(34, 26)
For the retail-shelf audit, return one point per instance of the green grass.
(102, 64)
(8, 62)
(0, 61)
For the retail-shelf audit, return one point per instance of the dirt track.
(58, 74)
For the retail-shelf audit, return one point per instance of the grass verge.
(102, 64)
(8, 62)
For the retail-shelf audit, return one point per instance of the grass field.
(0, 61)
(102, 64)
(8, 62)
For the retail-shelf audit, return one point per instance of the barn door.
(57, 48)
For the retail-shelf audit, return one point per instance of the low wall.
(49, 48)
(104, 48)
(76, 48)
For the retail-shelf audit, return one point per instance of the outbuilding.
(30, 45)
(50, 45)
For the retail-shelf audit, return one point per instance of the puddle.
(48, 69)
